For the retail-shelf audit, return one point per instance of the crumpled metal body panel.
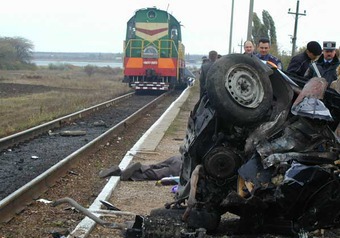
(286, 168)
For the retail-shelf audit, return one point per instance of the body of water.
(79, 63)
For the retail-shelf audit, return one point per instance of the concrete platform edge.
(155, 134)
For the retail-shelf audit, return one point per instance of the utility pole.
(297, 14)
(231, 25)
(250, 19)
(241, 46)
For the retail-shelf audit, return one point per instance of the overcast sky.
(99, 26)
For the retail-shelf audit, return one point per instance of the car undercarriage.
(262, 145)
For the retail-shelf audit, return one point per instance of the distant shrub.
(60, 66)
(32, 76)
(108, 70)
(29, 66)
(17, 66)
(90, 69)
(117, 71)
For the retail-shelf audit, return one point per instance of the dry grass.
(63, 92)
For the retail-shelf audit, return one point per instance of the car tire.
(239, 88)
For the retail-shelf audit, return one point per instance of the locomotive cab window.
(151, 14)
(174, 33)
(131, 32)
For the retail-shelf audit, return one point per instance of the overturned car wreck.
(260, 144)
(260, 147)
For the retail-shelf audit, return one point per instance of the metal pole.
(231, 25)
(241, 46)
(295, 27)
(296, 24)
(250, 19)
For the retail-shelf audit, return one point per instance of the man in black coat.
(204, 71)
(326, 64)
(300, 62)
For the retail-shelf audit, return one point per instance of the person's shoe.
(127, 173)
(113, 171)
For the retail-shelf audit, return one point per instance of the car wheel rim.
(244, 86)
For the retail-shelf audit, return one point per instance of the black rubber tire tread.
(165, 223)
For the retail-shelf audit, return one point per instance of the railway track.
(16, 139)
(123, 109)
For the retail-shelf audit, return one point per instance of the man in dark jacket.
(300, 62)
(263, 49)
(204, 70)
(326, 65)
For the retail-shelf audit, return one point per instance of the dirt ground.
(16, 89)
(29, 98)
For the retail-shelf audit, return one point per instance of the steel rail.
(17, 201)
(15, 139)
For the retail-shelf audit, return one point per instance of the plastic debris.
(168, 181)
(44, 201)
(174, 189)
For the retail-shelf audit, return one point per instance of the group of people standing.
(314, 61)
(262, 53)
(325, 65)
